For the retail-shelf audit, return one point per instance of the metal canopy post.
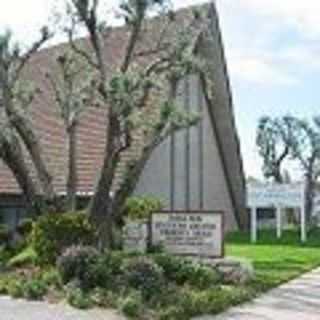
(253, 224)
(303, 216)
(279, 221)
(303, 224)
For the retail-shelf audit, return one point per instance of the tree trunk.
(100, 208)
(31, 141)
(277, 175)
(278, 164)
(12, 155)
(130, 182)
(309, 196)
(72, 169)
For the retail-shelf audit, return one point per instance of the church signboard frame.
(195, 233)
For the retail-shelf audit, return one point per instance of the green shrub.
(3, 287)
(52, 278)
(171, 266)
(193, 303)
(144, 275)
(183, 271)
(15, 289)
(108, 269)
(79, 299)
(5, 256)
(8, 280)
(104, 298)
(156, 248)
(132, 305)
(51, 234)
(25, 227)
(26, 257)
(171, 313)
(202, 277)
(4, 234)
(34, 289)
(140, 208)
(238, 294)
(77, 264)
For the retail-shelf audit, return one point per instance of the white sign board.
(269, 195)
(189, 233)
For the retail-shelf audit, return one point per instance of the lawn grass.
(276, 261)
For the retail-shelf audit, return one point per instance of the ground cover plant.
(155, 285)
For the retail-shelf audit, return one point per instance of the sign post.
(189, 233)
(254, 228)
(279, 222)
(303, 226)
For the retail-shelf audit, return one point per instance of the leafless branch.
(133, 39)
(55, 88)
(161, 44)
(81, 52)
(45, 36)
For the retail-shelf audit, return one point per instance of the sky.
(272, 49)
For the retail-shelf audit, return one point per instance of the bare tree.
(12, 155)
(16, 97)
(306, 149)
(127, 91)
(75, 89)
(274, 142)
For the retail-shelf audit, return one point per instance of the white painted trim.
(279, 222)
(253, 224)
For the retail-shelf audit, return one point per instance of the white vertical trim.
(254, 230)
(279, 222)
(303, 224)
(172, 170)
(187, 108)
(303, 216)
(200, 99)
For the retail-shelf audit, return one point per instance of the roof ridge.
(123, 27)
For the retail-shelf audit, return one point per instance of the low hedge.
(141, 208)
(144, 275)
(52, 234)
(4, 235)
(77, 264)
(24, 227)
(24, 258)
(184, 271)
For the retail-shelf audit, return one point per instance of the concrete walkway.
(22, 310)
(296, 300)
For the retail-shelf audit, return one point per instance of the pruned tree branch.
(80, 51)
(12, 155)
(75, 91)
(22, 61)
(16, 99)
(127, 95)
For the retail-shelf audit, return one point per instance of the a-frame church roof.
(91, 132)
